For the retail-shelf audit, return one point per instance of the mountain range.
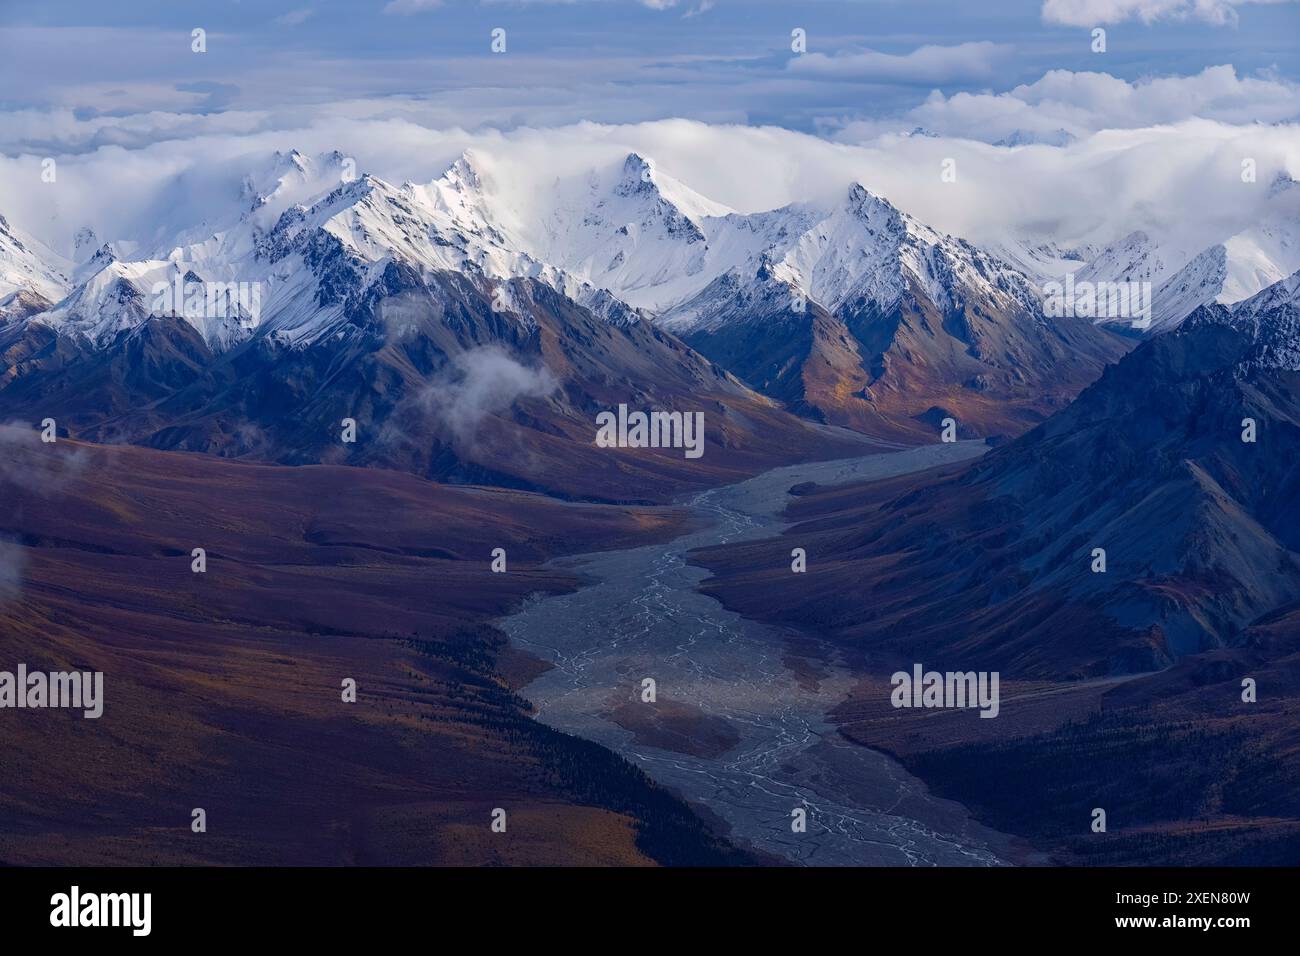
(1179, 464)
(471, 336)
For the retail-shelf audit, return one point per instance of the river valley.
(738, 728)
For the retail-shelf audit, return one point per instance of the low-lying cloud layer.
(482, 382)
(925, 65)
(1157, 167)
(1083, 103)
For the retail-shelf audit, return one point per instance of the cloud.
(405, 8)
(1165, 171)
(217, 95)
(1084, 103)
(294, 18)
(32, 465)
(13, 559)
(926, 64)
(482, 382)
(1092, 13)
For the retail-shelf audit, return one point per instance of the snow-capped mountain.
(1271, 320)
(312, 242)
(1267, 251)
(1200, 528)
(630, 232)
(1023, 137)
(32, 276)
(849, 309)
(1041, 260)
(415, 310)
(1194, 285)
(1134, 258)
(638, 234)
(858, 314)
(623, 238)
(860, 254)
(1184, 278)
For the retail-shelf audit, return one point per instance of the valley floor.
(222, 689)
(741, 722)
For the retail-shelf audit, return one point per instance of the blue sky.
(602, 60)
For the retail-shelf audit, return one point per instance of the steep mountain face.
(30, 274)
(851, 312)
(22, 303)
(639, 234)
(413, 311)
(1134, 258)
(438, 380)
(1267, 251)
(861, 316)
(1042, 260)
(994, 565)
(1182, 279)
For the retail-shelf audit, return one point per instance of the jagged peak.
(637, 177)
(465, 172)
(641, 177)
(879, 215)
(22, 303)
(359, 190)
(293, 159)
(103, 258)
(1283, 182)
(1270, 321)
(1285, 292)
(868, 206)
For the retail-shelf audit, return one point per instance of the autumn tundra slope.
(224, 689)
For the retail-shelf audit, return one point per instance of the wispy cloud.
(479, 383)
(926, 64)
(407, 7)
(13, 559)
(29, 464)
(1092, 13)
(295, 18)
(1084, 103)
